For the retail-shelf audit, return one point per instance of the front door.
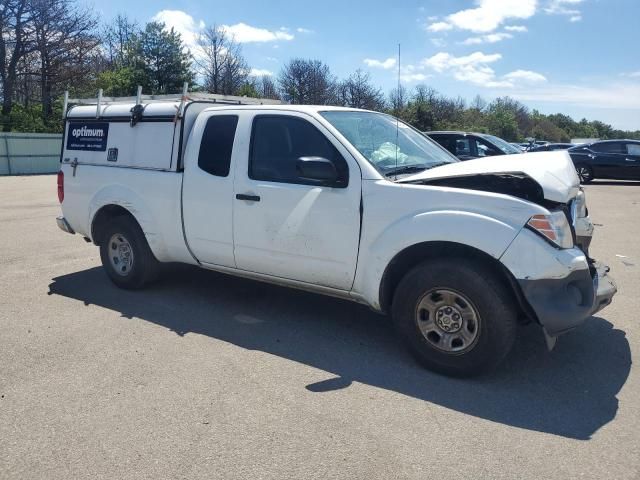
(609, 159)
(632, 161)
(283, 225)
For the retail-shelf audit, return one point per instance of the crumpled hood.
(554, 171)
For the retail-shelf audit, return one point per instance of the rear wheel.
(126, 255)
(456, 317)
(585, 172)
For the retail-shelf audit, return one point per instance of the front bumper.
(563, 287)
(562, 304)
(64, 225)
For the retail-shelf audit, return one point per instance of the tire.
(126, 255)
(481, 321)
(585, 172)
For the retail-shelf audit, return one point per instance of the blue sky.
(578, 57)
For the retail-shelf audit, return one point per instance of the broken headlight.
(553, 228)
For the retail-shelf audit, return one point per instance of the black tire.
(143, 267)
(488, 299)
(585, 173)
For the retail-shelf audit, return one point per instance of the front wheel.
(456, 316)
(126, 255)
(585, 173)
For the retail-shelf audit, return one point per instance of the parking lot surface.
(207, 376)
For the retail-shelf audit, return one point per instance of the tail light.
(60, 186)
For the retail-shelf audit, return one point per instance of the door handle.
(248, 197)
(630, 159)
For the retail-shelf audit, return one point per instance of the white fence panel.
(29, 153)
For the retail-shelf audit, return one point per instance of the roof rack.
(183, 97)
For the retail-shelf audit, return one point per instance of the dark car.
(467, 146)
(615, 159)
(552, 146)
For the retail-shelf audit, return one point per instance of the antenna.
(398, 113)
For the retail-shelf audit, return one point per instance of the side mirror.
(317, 170)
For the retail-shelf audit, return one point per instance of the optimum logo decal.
(87, 132)
(90, 136)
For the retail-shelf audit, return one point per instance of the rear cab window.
(216, 146)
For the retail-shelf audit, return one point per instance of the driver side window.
(485, 149)
(278, 141)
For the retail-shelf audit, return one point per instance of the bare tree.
(307, 82)
(358, 92)
(65, 42)
(266, 87)
(15, 17)
(478, 103)
(220, 62)
(117, 38)
(398, 98)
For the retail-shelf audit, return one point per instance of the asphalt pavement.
(208, 376)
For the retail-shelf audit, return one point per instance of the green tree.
(162, 56)
(122, 81)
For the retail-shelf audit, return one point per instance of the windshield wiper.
(439, 164)
(405, 169)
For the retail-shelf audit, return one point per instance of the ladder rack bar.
(224, 99)
(98, 104)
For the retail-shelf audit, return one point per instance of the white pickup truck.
(343, 202)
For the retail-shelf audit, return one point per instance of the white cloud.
(634, 74)
(516, 28)
(624, 96)
(304, 30)
(438, 42)
(489, 38)
(526, 76)
(414, 73)
(490, 14)
(439, 27)
(244, 33)
(444, 61)
(475, 69)
(190, 29)
(414, 77)
(260, 72)
(565, 7)
(183, 23)
(387, 64)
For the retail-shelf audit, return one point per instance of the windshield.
(506, 147)
(391, 150)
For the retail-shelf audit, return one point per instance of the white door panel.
(301, 232)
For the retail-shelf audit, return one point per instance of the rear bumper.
(562, 304)
(64, 225)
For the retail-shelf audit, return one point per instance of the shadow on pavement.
(570, 392)
(618, 183)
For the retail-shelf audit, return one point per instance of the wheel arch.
(103, 216)
(418, 253)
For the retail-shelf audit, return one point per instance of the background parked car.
(615, 159)
(519, 146)
(551, 146)
(466, 146)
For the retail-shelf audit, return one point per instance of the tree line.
(49, 46)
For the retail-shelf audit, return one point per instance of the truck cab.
(338, 201)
